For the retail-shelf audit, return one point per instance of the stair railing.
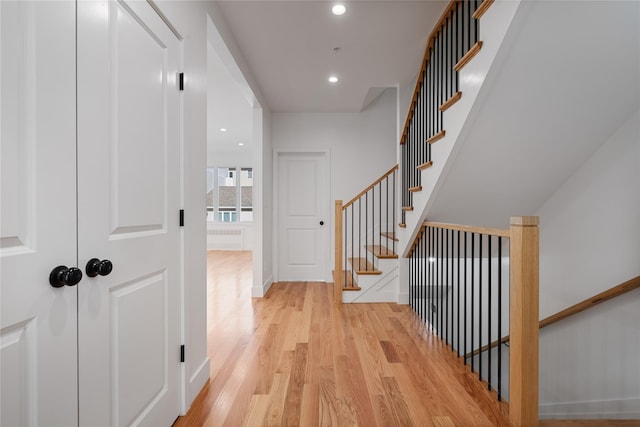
(610, 293)
(364, 227)
(467, 284)
(451, 45)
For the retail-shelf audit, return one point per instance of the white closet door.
(303, 206)
(128, 208)
(38, 355)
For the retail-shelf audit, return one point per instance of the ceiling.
(227, 108)
(289, 47)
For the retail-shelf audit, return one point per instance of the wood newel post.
(337, 271)
(524, 317)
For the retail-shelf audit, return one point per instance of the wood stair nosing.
(407, 208)
(484, 6)
(416, 189)
(425, 165)
(363, 266)
(450, 102)
(402, 225)
(473, 51)
(389, 235)
(350, 283)
(382, 252)
(438, 136)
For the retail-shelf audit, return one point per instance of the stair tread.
(350, 283)
(390, 235)
(363, 266)
(381, 251)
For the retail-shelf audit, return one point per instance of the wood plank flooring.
(294, 358)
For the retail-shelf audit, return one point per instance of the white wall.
(262, 207)
(362, 145)
(589, 242)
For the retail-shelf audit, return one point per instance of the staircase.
(458, 55)
(366, 244)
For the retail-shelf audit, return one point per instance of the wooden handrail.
(610, 293)
(501, 232)
(425, 60)
(363, 192)
(623, 288)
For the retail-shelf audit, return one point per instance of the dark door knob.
(321, 222)
(96, 267)
(61, 276)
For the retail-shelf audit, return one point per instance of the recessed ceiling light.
(241, 144)
(223, 129)
(333, 79)
(338, 9)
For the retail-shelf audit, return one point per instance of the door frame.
(326, 153)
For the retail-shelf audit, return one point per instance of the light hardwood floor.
(294, 358)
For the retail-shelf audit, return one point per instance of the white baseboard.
(628, 408)
(261, 291)
(197, 382)
(403, 298)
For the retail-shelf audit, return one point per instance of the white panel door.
(303, 210)
(38, 377)
(128, 210)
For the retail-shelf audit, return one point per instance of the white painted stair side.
(376, 287)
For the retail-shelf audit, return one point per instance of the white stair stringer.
(493, 28)
(376, 287)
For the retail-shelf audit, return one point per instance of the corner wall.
(589, 242)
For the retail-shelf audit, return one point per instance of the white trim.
(261, 291)
(593, 409)
(197, 382)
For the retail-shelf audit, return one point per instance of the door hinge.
(181, 81)
(181, 217)
(182, 353)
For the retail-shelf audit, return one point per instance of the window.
(230, 194)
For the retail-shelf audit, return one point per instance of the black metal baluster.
(353, 241)
(441, 257)
(476, 29)
(499, 319)
(451, 52)
(451, 253)
(359, 233)
(465, 297)
(489, 311)
(366, 230)
(445, 63)
(480, 310)
(430, 276)
(469, 20)
(445, 282)
(473, 344)
(423, 289)
(394, 207)
(458, 276)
